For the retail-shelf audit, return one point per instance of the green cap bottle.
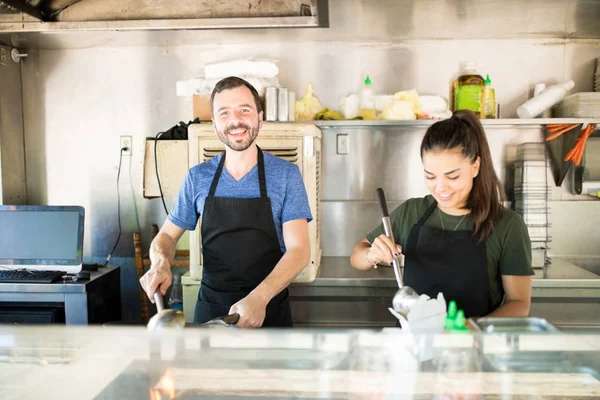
(368, 81)
(451, 315)
(460, 323)
(487, 80)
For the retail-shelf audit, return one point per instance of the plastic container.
(535, 219)
(579, 105)
(282, 104)
(488, 100)
(538, 258)
(531, 205)
(367, 101)
(529, 173)
(538, 233)
(513, 325)
(271, 104)
(291, 106)
(531, 151)
(545, 100)
(350, 106)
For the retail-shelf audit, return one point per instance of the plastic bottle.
(460, 322)
(450, 316)
(488, 99)
(468, 87)
(551, 96)
(539, 88)
(367, 101)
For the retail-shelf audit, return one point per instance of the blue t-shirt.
(285, 188)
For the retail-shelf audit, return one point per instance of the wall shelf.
(422, 123)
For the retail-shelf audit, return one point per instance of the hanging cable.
(118, 208)
(162, 196)
(135, 208)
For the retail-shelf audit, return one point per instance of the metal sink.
(545, 362)
(590, 264)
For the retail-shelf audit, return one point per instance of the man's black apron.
(240, 248)
(451, 262)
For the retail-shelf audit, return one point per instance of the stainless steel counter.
(337, 271)
(341, 296)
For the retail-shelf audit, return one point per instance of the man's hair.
(233, 82)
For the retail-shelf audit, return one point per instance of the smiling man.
(255, 216)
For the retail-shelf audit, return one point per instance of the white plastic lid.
(568, 85)
(471, 66)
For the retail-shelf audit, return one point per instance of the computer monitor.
(41, 237)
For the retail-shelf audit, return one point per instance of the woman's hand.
(382, 250)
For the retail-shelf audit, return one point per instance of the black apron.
(451, 262)
(240, 248)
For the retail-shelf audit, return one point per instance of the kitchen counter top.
(337, 271)
(133, 363)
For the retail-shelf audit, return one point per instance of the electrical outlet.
(343, 145)
(126, 142)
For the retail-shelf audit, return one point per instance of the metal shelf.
(423, 123)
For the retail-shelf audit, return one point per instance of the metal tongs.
(405, 296)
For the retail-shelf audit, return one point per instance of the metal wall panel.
(12, 154)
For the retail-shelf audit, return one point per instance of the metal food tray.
(513, 325)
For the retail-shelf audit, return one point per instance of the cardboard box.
(201, 105)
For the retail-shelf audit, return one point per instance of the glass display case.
(216, 362)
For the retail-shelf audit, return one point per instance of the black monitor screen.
(41, 234)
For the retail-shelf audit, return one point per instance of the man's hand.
(158, 277)
(162, 252)
(252, 310)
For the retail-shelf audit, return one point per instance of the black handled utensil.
(165, 318)
(405, 296)
(387, 226)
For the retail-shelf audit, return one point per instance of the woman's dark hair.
(464, 132)
(233, 82)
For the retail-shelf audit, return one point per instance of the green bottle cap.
(460, 323)
(450, 316)
(487, 80)
(452, 308)
(368, 81)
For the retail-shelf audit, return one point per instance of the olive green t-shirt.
(508, 248)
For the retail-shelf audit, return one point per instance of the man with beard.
(255, 216)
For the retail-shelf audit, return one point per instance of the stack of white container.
(530, 197)
(579, 105)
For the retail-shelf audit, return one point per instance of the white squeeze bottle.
(367, 101)
(545, 100)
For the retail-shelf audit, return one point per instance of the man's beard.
(238, 144)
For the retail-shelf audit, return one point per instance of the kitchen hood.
(107, 15)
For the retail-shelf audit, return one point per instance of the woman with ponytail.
(459, 240)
